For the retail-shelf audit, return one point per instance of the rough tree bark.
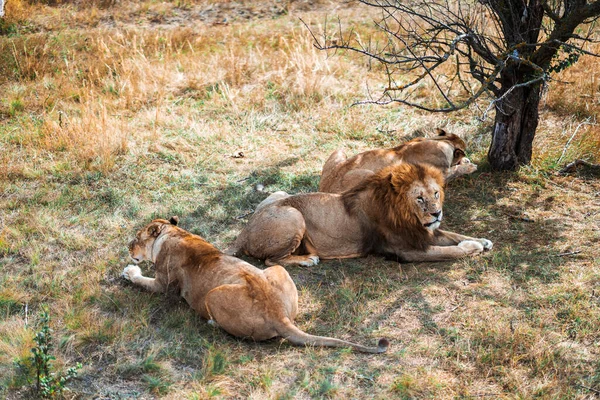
(515, 125)
(517, 106)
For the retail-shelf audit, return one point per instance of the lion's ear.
(174, 220)
(440, 132)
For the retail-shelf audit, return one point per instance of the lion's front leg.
(443, 253)
(133, 273)
(446, 238)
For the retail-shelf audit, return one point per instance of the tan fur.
(243, 300)
(395, 212)
(445, 152)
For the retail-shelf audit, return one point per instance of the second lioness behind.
(446, 152)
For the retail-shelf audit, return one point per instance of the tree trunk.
(514, 128)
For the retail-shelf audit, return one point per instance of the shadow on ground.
(356, 299)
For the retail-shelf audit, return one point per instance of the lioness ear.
(440, 132)
(154, 230)
(459, 153)
(174, 220)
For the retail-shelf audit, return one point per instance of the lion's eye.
(437, 195)
(420, 199)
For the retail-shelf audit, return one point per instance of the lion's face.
(427, 198)
(141, 248)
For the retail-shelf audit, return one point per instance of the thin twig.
(589, 388)
(454, 309)
(244, 215)
(570, 253)
(586, 122)
(572, 166)
(520, 218)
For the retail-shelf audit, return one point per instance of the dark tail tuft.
(383, 345)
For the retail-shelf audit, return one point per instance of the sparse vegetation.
(48, 382)
(114, 113)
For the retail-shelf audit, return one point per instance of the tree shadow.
(230, 205)
(475, 206)
(489, 205)
(355, 299)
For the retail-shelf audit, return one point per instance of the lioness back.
(442, 151)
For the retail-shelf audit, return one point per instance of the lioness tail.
(296, 336)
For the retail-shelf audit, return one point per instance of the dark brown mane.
(382, 198)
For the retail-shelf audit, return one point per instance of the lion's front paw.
(471, 246)
(131, 271)
(310, 261)
(487, 244)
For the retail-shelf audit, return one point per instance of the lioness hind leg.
(283, 285)
(133, 273)
(234, 310)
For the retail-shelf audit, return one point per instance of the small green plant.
(16, 107)
(157, 385)
(404, 386)
(48, 384)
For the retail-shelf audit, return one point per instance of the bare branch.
(486, 39)
(572, 166)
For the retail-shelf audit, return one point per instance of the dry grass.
(113, 114)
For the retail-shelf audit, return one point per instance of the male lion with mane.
(395, 212)
(446, 151)
(243, 300)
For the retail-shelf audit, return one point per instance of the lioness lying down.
(445, 151)
(245, 301)
(396, 212)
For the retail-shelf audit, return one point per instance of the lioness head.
(459, 145)
(141, 248)
(421, 189)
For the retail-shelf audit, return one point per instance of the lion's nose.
(437, 214)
